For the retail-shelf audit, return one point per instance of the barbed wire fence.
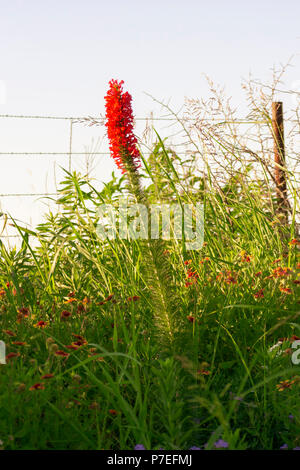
(277, 137)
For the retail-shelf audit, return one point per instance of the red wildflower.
(9, 332)
(286, 290)
(203, 372)
(81, 338)
(109, 298)
(192, 274)
(259, 294)
(245, 257)
(113, 412)
(294, 242)
(80, 308)
(62, 353)
(191, 318)
(187, 284)
(123, 143)
(134, 298)
(12, 355)
(294, 338)
(282, 272)
(23, 311)
(38, 386)
(41, 324)
(47, 376)
(79, 343)
(19, 343)
(65, 314)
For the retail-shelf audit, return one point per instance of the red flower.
(286, 290)
(191, 318)
(62, 353)
(123, 143)
(113, 412)
(9, 332)
(47, 376)
(24, 311)
(109, 298)
(12, 355)
(282, 272)
(134, 298)
(203, 372)
(65, 314)
(259, 294)
(41, 324)
(81, 338)
(38, 386)
(294, 241)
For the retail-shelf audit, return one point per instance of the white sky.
(56, 58)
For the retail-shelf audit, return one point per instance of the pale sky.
(57, 57)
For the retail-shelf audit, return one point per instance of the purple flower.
(291, 416)
(195, 448)
(283, 447)
(139, 447)
(296, 448)
(220, 444)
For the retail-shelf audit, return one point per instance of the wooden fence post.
(279, 158)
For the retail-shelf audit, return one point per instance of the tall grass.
(218, 382)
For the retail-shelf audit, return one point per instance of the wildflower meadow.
(130, 341)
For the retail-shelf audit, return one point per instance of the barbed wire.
(82, 119)
(100, 120)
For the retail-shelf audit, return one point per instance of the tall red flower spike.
(119, 123)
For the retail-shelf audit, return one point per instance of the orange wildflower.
(294, 242)
(70, 300)
(286, 290)
(284, 384)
